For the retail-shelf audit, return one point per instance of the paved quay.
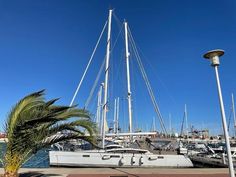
(123, 172)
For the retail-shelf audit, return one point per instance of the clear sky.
(47, 44)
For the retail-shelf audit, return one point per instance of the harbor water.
(39, 160)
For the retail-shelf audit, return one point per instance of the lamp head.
(214, 55)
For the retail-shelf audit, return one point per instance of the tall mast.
(186, 118)
(117, 115)
(114, 122)
(128, 77)
(106, 77)
(233, 110)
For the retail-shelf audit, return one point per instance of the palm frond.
(34, 123)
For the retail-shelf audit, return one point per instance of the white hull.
(104, 159)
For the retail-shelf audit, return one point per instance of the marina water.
(39, 160)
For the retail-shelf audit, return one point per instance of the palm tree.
(34, 124)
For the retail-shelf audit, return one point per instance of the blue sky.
(47, 44)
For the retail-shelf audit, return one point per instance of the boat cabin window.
(132, 151)
(86, 155)
(114, 156)
(113, 147)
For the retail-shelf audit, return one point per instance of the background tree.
(34, 124)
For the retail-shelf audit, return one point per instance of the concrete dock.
(123, 172)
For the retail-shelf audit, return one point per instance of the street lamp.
(213, 56)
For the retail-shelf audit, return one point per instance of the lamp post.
(213, 56)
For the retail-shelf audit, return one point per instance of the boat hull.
(103, 159)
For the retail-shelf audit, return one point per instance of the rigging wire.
(230, 115)
(134, 81)
(111, 84)
(94, 85)
(111, 73)
(120, 28)
(136, 85)
(99, 73)
(157, 77)
(119, 23)
(90, 60)
(134, 116)
(147, 82)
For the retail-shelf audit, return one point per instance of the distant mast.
(117, 114)
(128, 78)
(170, 124)
(186, 119)
(106, 78)
(233, 110)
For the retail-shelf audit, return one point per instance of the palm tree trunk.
(12, 165)
(10, 174)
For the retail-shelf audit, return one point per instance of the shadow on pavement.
(125, 172)
(36, 174)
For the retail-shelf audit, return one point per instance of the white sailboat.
(117, 156)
